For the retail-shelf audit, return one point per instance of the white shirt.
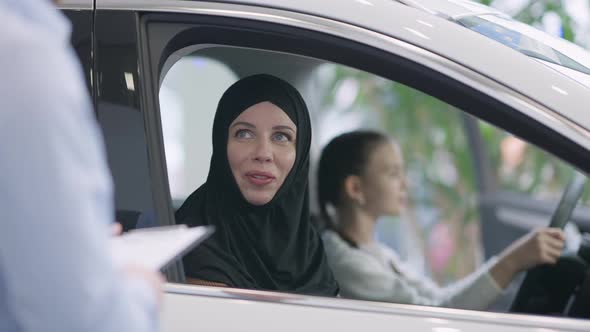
(56, 199)
(375, 272)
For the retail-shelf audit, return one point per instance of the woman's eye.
(282, 137)
(243, 133)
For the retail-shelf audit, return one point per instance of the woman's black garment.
(269, 247)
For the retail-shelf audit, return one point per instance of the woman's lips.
(260, 178)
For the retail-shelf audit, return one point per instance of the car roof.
(555, 89)
(506, 27)
(452, 8)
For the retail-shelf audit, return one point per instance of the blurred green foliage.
(535, 10)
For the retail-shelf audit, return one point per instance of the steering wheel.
(546, 289)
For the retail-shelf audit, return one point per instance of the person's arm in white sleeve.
(363, 277)
(477, 291)
(56, 197)
(482, 287)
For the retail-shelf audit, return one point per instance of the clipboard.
(156, 247)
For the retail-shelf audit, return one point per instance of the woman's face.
(261, 151)
(383, 181)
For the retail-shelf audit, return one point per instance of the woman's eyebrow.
(282, 127)
(246, 124)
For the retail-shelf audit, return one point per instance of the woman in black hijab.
(256, 195)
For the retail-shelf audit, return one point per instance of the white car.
(156, 68)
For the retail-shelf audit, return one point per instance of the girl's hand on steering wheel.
(541, 246)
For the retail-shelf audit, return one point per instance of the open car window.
(441, 236)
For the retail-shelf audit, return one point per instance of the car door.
(138, 45)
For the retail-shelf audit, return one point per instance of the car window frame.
(162, 34)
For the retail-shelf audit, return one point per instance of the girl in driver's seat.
(361, 177)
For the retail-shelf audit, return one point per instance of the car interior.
(449, 197)
(478, 178)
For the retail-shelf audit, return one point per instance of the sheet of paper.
(156, 247)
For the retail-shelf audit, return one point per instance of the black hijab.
(272, 246)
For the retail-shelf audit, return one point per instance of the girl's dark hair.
(345, 155)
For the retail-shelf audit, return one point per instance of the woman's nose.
(263, 151)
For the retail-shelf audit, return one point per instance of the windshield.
(529, 41)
